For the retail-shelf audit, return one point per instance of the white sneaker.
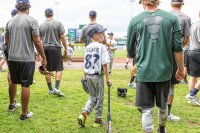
(24, 117)
(172, 117)
(52, 92)
(59, 93)
(132, 85)
(193, 99)
(13, 107)
(29, 114)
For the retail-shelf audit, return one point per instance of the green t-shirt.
(153, 37)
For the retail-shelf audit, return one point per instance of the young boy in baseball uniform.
(95, 64)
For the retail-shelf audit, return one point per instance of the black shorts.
(186, 60)
(194, 63)
(21, 72)
(147, 93)
(54, 58)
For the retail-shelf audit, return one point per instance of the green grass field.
(53, 114)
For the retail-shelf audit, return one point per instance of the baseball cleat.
(13, 107)
(24, 117)
(193, 99)
(172, 117)
(59, 93)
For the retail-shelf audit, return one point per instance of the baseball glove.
(65, 58)
(45, 72)
(84, 85)
(134, 70)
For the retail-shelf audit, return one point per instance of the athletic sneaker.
(81, 120)
(193, 99)
(172, 117)
(52, 92)
(132, 85)
(13, 107)
(98, 123)
(24, 117)
(58, 92)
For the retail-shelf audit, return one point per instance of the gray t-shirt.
(20, 30)
(50, 31)
(195, 36)
(84, 36)
(185, 23)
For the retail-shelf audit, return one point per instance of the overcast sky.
(112, 14)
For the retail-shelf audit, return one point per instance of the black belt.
(93, 74)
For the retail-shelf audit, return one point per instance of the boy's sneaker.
(81, 120)
(59, 93)
(193, 99)
(24, 117)
(98, 123)
(172, 117)
(132, 85)
(52, 92)
(13, 107)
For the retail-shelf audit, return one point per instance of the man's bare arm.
(39, 47)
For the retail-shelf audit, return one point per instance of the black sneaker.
(24, 117)
(13, 107)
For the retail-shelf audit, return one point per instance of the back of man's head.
(177, 3)
(150, 2)
(48, 12)
(22, 5)
(92, 14)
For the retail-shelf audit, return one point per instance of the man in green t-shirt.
(157, 37)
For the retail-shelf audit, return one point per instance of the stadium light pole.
(57, 4)
(132, 1)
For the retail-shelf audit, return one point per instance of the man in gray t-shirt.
(21, 32)
(53, 33)
(83, 36)
(185, 23)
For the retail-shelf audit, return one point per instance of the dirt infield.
(119, 63)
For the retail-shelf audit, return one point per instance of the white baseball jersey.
(70, 51)
(113, 44)
(96, 55)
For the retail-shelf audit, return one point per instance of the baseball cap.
(93, 13)
(95, 29)
(48, 11)
(22, 1)
(22, 5)
(14, 12)
(177, 1)
(110, 34)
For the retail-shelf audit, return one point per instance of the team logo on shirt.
(153, 26)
